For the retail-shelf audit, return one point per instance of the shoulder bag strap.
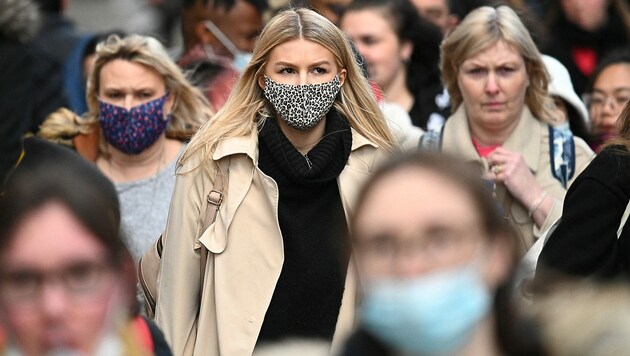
(624, 218)
(214, 200)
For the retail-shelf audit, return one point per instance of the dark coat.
(585, 241)
(30, 89)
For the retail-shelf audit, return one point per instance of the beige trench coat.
(531, 139)
(245, 252)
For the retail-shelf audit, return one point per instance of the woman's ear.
(203, 34)
(169, 104)
(261, 82)
(342, 75)
(406, 50)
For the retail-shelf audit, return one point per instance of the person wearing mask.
(401, 51)
(434, 257)
(67, 280)
(608, 92)
(145, 109)
(502, 118)
(218, 39)
(293, 143)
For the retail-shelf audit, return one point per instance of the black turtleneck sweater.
(308, 294)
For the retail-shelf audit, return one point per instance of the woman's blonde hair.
(483, 28)
(246, 108)
(190, 108)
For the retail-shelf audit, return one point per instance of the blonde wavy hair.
(190, 108)
(246, 108)
(483, 28)
(62, 125)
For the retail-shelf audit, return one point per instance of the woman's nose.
(411, 263)
(303, 79)
(54, 300)
(492, 86)
(128, 102)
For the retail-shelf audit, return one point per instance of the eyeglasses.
(434, 246)
(599, 100)
(24, 286)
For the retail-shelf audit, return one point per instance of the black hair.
(260, 5)
(616, 56)
(423, 65)
(49, 6)
(577, 124)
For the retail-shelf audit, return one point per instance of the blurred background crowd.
(506, 131)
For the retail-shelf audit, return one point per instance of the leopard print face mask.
(302, 106)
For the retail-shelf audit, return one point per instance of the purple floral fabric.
(133, 131)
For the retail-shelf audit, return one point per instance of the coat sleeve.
(585, 241)
(179, 280)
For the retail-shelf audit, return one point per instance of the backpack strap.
(562, 154)
(431, 140)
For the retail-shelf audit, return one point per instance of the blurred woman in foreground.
(67, 281)
(434, 254)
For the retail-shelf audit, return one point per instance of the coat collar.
(248, 145)
(525, 138)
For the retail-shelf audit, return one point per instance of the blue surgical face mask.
(241, 59)
(429, 315)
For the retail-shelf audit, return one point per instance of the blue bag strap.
(431, 140)
(562, 154)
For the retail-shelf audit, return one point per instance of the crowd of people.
(330, 177)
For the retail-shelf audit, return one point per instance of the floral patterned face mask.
(132, 131)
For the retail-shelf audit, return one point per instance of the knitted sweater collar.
(324, 162)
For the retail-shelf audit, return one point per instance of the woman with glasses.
(434, 257)
(608, 93)
(586, 242)
(67, 280)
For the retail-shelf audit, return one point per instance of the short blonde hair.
(190, 109)
(483, 28)
(246, 108)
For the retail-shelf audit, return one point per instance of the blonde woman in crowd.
(145, 109)
(292, 145)
(502, 118)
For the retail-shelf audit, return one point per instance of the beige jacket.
(531, 139)
(245, 252)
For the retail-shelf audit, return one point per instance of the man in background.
(218, 37)
(439, 12)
